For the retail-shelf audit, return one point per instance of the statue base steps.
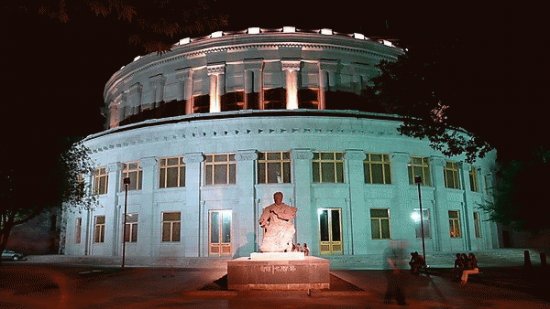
(283, 274)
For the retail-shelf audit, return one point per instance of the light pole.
(126, 182)
(418, 181)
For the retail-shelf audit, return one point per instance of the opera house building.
(207, 132)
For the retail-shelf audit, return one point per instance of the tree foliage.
(521, 200)
(29, 187)
(422, 88)
(153, 25)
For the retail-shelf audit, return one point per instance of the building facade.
(208, 131)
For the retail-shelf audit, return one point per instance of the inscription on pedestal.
(309, 273)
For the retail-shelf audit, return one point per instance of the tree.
(421, 88)
(154, 25)
(26, 191)
(520, 199)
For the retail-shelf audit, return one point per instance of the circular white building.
(208, 131)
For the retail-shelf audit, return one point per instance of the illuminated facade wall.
(210, 130)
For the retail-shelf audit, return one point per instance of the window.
(473, 180)
(220, 169)
(425, 223)
(172, 173)
(377, 169)
(454, 224)
(420, 167)
(133, 171)
(477, 224)
(131, 230)
(101, 180)
(451, 175)
(171, 223)
(274, 167)
(99, 229)
(380, 223)
(78, 230)
(328, 167)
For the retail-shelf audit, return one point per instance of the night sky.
(52, 74)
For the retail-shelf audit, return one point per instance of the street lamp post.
(418, 181)
(126, 182)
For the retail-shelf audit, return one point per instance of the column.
(193, 224)
(306, 217)
(356, 228)
(244, 239)
(113, 186)
(186, 76)
(291, 69)
(148, 216)
(253, 81)
(114, 112)
(133, 100)
(400, 205)
(157, 85)
(469, 232)
(215, 73)
(440, 212)
(326, 79)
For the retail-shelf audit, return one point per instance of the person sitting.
(417, 261)
(470, 268)
(306, 249)
(458, 267)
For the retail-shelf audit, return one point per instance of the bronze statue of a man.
(276, 219)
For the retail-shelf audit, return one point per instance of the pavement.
(31, 284)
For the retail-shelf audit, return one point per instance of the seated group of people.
(465, 265)
(300, 248)
(417, 262)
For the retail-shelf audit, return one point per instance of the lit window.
(420, 167)
(425, 223)
(274, 167)
(171, 226)
(377, 169)
(172, 173)
(473, 180)
(477, 224)
(99, 229)
(452, 179)
(131, 230)
(380, 223)
(78, 230)
(220, 169)
(328, 167)
(133, 171)
(454, 224)
(101, 180)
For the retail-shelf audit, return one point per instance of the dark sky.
(52, 74)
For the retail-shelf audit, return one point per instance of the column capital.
(194, 157)
(148, 162)
(354, 154)
(216, 68)
(184, 73)
(291, 65)
(114, 167)
(246, 155)
(465, 166)
(157, 79)
(437, 161)
(302, 154)
(135, 88)
(253, 63)
(400, 157)
(329, 65)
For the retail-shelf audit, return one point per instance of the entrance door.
(330, 229)
(219, 232)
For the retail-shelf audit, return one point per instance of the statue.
(276, 219)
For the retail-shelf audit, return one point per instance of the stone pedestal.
(298, 274)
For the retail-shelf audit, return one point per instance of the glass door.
(330, 230)
(219, 232)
